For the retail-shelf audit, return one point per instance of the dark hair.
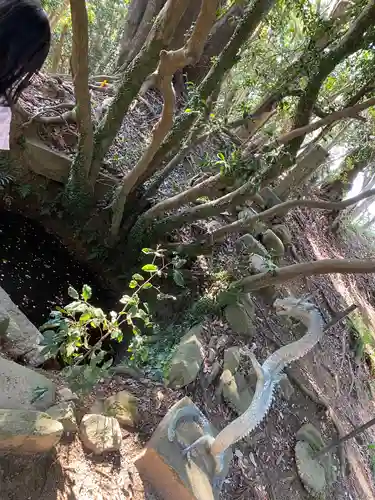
(25, 38)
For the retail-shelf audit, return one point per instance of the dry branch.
(170, 62)
(351, 112)
(250, 221)
(325, 266)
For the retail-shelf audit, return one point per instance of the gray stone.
(65, 394)
(283, 233)
(247, 244)
(270, 197)
(22, 338)
(232, 358)
(47, 162)
(259, 264)
(123, 406)
(310, 471)
(65, 414)
(273, 243)
(4, 322)
(25, 432)
(235, 391)
(164, 466)
(187, 359)
(240, 319)
(23, 389)
(100, 434)
(215, 370)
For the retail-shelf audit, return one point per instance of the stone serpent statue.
(268, 376)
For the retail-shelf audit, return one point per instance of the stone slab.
(23, 389)
(162, 464)
(22, 337)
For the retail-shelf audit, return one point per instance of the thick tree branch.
(248, 222)
(326, 266)
(80, 69)
(170, 62)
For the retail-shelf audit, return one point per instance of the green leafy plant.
(81, 335)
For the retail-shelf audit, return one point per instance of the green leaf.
(146, 286)
(125, 299)
(133, 284)
(147, 251)
(178, 278)
(150, 268)
(86, 292)
(72, 292)
(188, 110)
(138, 277)
(221, 156)
(85, 317)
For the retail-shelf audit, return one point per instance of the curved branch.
(325, 266)
(170, 62)
(185, 197)
(283, 208)
(248, 222)
(351, 112)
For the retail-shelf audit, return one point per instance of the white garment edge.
(5, 120)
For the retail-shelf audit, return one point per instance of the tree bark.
(57, 49)
(134, 16)
(253, 15)
(325, 266)
(80, 168)
(132, 79)
(212, 208)
(170, 62)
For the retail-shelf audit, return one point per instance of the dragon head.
(295, 308)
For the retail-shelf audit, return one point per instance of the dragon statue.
(268, 374)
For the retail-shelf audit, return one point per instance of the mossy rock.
(310, 471)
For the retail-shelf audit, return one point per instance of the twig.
(351, 374)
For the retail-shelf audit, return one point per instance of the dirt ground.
(263, 467)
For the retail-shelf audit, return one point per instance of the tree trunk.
(136, 10)
(57, 49)
(220, 35)
(153, 8)
(211, 83)
(57, 15)
(132, 79)
(77, 188)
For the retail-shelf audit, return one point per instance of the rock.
(28, 431)
(283, 233)
(310, 471)
(259, 264)
(4, 322)
(22, 339)
(215, 370)
(123, 406)
(247, 244)
(232, 358)
(47, 162)
(273, 243)
(187, 359)
(235, 392)
(270, 198)
(65, 394)
(65, 414)
(100, 434)
(286, 388)
(164, 466)
(24, 389)
(97, 407)
(240, 319)
(309, 435)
